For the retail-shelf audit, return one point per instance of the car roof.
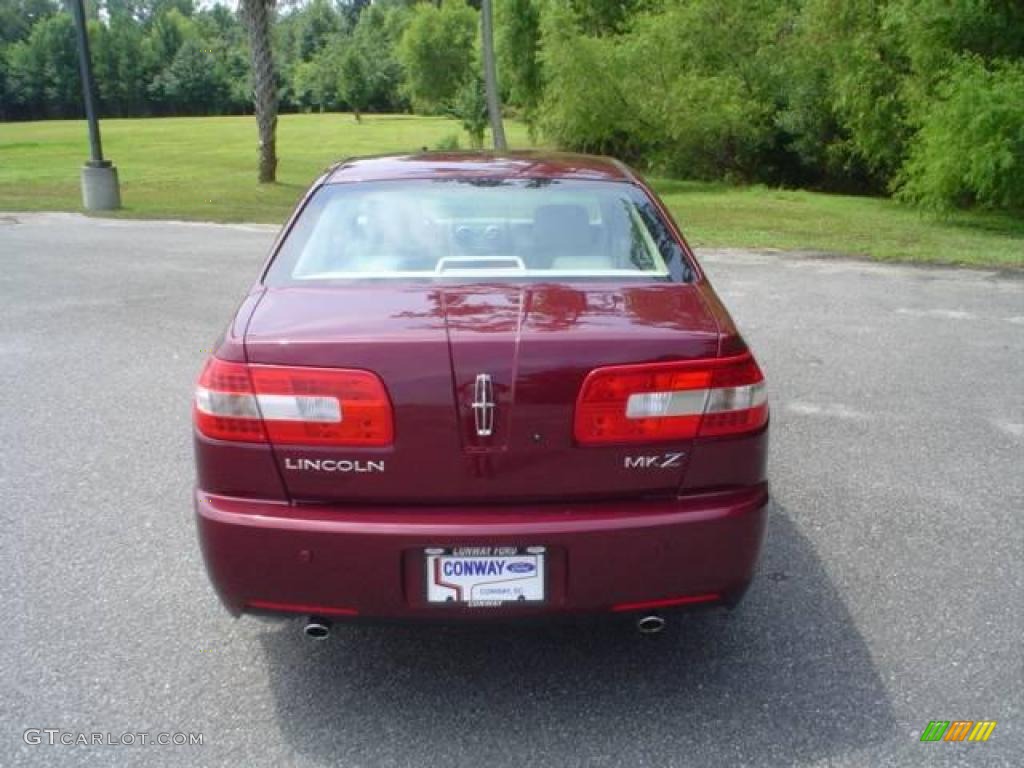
(481, 164)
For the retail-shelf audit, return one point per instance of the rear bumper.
(368, 561)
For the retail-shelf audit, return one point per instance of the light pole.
(491, 76)
(100, 190)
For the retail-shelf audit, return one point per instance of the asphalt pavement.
(890, 592)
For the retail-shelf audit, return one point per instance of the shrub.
(449, 143)
(470, 108)
(970, 146)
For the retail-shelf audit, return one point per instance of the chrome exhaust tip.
(650, 625)
(317, 628)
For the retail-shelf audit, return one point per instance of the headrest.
(562, 230)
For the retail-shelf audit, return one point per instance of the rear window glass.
(478, 228)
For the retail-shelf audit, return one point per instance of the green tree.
(605, 17)
(352, 10)
(934, 35)
(669, 91)
(866, 84)
(469, 107)
(42, 74)
(145, 11)
(437, 52)
(354, 82)
(192, 82)
(517, 38)
(586, 104)
(315, 82)
(970, 148)
(122, 75)
(376, 38)
(165, 34)
(915, 97)
(18, 17)
(223, 32)
(316, 24)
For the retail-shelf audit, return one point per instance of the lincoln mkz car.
(469, 386)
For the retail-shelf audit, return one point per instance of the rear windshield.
(521, 228)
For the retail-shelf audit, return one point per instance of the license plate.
(485, 576)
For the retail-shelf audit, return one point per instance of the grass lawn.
(204, 168)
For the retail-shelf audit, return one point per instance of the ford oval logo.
(521, 567)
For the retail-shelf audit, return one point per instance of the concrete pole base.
(100, 190)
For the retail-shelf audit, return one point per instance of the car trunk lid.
(483, 379)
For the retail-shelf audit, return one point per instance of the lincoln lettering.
(334, 465)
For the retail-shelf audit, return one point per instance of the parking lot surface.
(890, 592)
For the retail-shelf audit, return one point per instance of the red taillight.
(292, 405)
(225, 404)
(671, 401)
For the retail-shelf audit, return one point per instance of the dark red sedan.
(471, 386)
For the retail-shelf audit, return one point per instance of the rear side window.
(487, 228)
